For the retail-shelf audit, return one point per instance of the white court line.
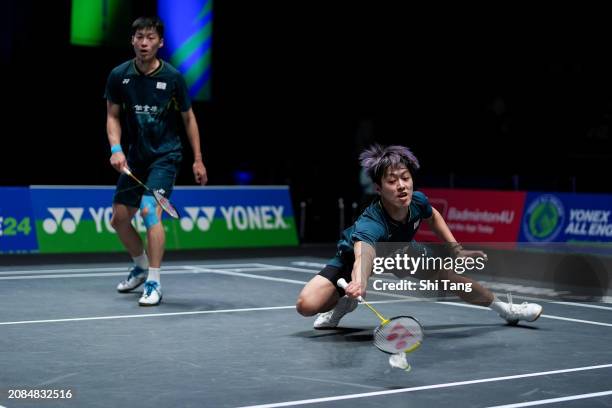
(182, 271)
(117, 268)
(247, 275)
(425, 387)
(554, 400)
(583, 305)
(542, 316)
(82, 319)
(287, 268)
(313, 264)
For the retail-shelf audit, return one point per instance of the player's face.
(146, 42)
(396, 186)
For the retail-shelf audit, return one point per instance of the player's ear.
(377, 188)
(161, 42)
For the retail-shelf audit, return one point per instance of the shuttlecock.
(398, 360)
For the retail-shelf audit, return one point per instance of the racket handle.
(126, 171)
(343, 284)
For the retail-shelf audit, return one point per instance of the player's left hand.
(199, 172)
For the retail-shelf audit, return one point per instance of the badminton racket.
(395, 335)
(163, 202)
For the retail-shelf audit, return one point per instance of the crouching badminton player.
(394, 217)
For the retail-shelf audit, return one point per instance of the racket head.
(166, 205)
(399, 334)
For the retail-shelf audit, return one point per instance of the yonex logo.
(203, 219)
(68, 224)
(125, 81)
(161, 85)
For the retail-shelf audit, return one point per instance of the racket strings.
(166, 205)
(402, 334)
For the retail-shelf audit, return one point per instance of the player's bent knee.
(306, 307)
(148, 211)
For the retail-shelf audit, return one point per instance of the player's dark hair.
(148, 22)
(376, 159)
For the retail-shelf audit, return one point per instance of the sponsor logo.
(67, 219)
(544, 219)
(198, 216)
(145, 109)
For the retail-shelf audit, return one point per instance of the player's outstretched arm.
(439, 226)
(362, 269)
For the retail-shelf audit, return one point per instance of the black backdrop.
(481, 94)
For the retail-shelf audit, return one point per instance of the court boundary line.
(423, 387)
(554, 400)
(193, 312)
(120, 268)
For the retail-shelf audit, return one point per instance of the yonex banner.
(77, 219)
(224, 217)
(563, 217)
(17, 233)
(476, 215)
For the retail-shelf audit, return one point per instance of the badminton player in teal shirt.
(394, 217)
(150, 98)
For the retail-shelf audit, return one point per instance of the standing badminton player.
(394, 217)
(150, 97)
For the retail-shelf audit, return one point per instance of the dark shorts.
(159, 175)
(333, 273)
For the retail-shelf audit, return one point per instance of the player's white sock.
(499, 306)
(141, 261)
(154, 275)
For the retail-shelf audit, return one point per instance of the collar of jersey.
(390, 219)
(139, 72)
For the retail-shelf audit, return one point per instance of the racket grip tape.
(343, 284)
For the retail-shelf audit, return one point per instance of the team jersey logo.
(161, 85)
(125, 81)
(145, 109)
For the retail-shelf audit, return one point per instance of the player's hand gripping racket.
(395, 335)
(163, 202)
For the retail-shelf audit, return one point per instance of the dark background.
(486, 98)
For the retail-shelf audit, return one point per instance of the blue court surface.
(227, 335)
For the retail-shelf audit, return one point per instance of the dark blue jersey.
(375, 225)
(150, 107)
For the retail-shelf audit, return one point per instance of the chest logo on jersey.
(416, 224)
(125, 81)
(140, 109)
(161, 85)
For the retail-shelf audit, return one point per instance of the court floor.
(227, 335)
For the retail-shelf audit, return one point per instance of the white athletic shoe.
(152, 295)
(329, 320)
(525, 311)
(136, 278)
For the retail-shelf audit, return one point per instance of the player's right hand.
(118, 161)
(355, 289)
